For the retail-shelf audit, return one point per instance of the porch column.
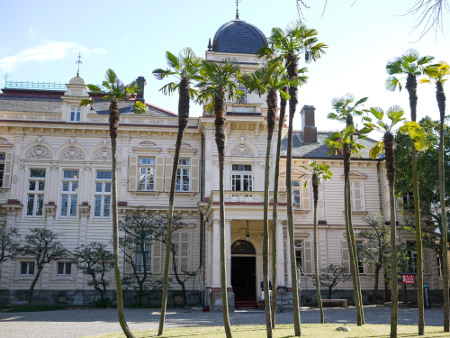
(216, 255)
(280, 254)
(208, 255)
(288, 260)
(228, 250)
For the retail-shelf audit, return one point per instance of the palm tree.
(345, 112)
(186, 68)
(218, 82)
(287, 46)
(267, 80)
(318, 171)
(387, 145)
(412, 65)
(437, 73)
(116, 91)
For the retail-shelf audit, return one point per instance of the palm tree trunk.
(114, 116)
(275, 208)
(290, 214)
(315, 184)
(183, 115)
(271, 103)
(390, 173)
(293, 73)
(219, 107)
(351, 242)
(411, 86)
(440, 96)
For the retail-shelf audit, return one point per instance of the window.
(408, 201)
(35, 195)
(356, 193)
(181, 244)
(146, 173)
(241, 177)
(411, 253)
(183, 175)
(103, 194)
(296, 193)
(360, 256)
(242, 99)
(139, 258)
(69, 193)
(64, 269)
(75, 114)
(2, 168)
(27, 268)
(299, 254)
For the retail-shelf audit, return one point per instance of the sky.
(41, 40)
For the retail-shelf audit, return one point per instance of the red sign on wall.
(408, 279)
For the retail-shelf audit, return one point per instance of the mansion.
(55, 173)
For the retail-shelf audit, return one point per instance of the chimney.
(141, 83)
(309, 130)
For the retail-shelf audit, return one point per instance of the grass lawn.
(285, 330)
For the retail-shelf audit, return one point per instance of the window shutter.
(370, 269)
(305, 197)
(156, 257)
(282, 185)
(345, 256)
(169, 166)
(356, 195)
(426, 261)
(159, 173)
(8, 170)
(195, 174)
(308, 257)
(132, 175)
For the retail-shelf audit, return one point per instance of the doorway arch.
(243, 273)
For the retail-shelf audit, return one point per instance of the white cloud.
(47, 51)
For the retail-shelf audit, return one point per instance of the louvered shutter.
(8, 170)
(345, 256)
(159, 174)
(195, 174)
(156, 257)
(426, 261)
(356, 196)
(308, 257)
(132, 174)
(306, 196)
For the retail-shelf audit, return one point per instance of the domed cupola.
(238, 36)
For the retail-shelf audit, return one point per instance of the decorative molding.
(39, 152)
(242, 149)
(72, 153)
(102, 154)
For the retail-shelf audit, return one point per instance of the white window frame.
(69, 192)
(75, 114)
(64, 269)
(146, 173)
(29, 265)
(299, 254)
(297, 193)
(139, 261)
(411, 252)
(182, 239)
(183, 175)
(102, 196)
(243, 176)
(35, 195)
(360, 258)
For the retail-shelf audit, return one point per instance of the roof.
(238, 36)
(319, 149)
(40, 103)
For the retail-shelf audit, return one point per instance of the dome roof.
(237, 36)
(76, 81)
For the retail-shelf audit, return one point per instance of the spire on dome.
(237, 9)
(79, 62)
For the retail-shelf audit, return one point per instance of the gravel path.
(76, 323)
